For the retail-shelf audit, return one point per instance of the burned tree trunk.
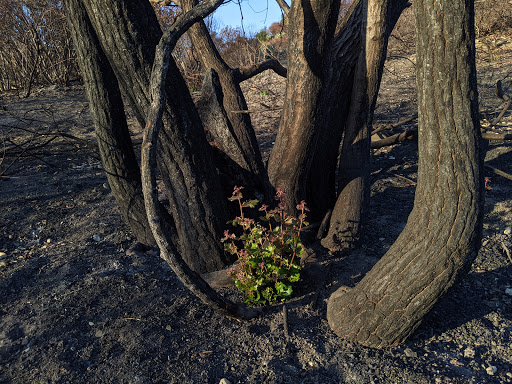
(311, 31)
(128, 32)
(106, 105)
(239, 140)
(349, 213)
(442, 235)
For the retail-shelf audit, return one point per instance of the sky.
(257, 14)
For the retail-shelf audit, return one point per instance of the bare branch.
(284, 6)
(255, 69)
(391, 126)
(496, 136)
(184, 22)
(499, 172)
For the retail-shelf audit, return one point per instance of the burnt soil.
(75, 307)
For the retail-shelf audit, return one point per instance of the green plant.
(267, 255)
(264, 92)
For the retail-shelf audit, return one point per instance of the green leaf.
(294, 277)
(250, 203)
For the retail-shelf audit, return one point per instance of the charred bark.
(442, 235)
(129, 32)
(192, 280)
(106, 105)
(349, 214)
(311, 32)
(237, 139)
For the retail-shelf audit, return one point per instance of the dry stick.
(496, 136)
(502, 113)
(499, 172)
(405, 178)
(285, 323)
(503, 96)
(257, 110)
(507, 251)
(395, 139)
(168, 250)
(389, 127)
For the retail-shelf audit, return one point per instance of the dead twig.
(285, 323)
(391, 126)
(499, 172)
(395, 139)
(406, 179)
(507, 251)
(503, 96)
(496, 136)
(258, 110)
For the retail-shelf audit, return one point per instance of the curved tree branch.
(168, 252)
(246, 73)
(284, 6)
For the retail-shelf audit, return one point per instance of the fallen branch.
(391, 126)
(395, 139)
(257, 110)
(499, 172)
(502, 113)
(496, 136)
(503, 96)
(507, 251)
(412, 182)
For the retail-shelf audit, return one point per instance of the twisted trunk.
(128, 32)
(442, 235)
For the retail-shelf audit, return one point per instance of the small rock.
(469, 353)
(410, 353)
(507, 231)
(508, 374)
(99, 333)
(508, 291)
(48, 240)
(34, 243)
(3, 264)
(3, 255)
(96, 238)
(91, 323)
(224, 381)
(491, 370)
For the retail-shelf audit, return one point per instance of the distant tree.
(35, 46)
(276, 28)
(335, 62)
